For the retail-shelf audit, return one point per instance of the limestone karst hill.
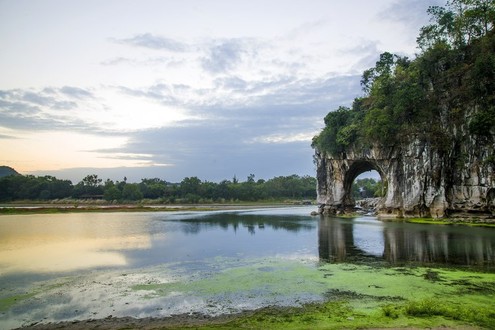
(427, 125)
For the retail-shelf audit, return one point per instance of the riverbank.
(26, 208)
(331, 315)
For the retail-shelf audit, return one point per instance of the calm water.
(91, 265)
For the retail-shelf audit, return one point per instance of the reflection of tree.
(336, 240)
(251, 222)
(433, 245)
(409, 243)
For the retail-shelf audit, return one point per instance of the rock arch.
(420, 179)
(357, 168)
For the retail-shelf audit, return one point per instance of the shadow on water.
(367, 239)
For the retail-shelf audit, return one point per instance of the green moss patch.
(352, 296)
(7, 302)
(463, 222)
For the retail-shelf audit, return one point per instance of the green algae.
(353, 296)
(9, 301)
(263, 277)
(19, 295)
(451, 222)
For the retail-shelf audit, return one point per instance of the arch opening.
(363, 181)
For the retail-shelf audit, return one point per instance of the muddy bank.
(172, 322)
(332, 315)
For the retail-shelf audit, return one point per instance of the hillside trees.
(458, 23)
(453, 79)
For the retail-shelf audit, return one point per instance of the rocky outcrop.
(368, 206)
(421, 179)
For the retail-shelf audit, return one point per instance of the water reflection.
(251, 222)
(76, 242)
(348, 240)
(65, 243)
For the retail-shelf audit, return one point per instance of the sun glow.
(130, 113)
(57, 150)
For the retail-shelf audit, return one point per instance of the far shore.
(53, 208)
(27, 207)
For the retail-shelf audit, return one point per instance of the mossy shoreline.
(467, 221)
(420, 314)
(417, 314)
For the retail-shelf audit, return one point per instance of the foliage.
(367, 188)
(19, 187)
(89, 187)
(458, 23)
(189, 190)
(451, 81)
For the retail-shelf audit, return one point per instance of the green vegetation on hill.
(451, 82)
(189, 190)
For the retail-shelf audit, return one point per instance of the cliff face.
(423, 180)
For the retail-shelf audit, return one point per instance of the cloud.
(285, 137)
(4, 136)
(222, 56)
(76, 92)
(411, 14)
(46, 109)
(116, 61)
(147, 61)
(267, 136)
(148, 40)
(217, 152)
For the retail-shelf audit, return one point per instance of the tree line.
(452, 80)
(189, 190)
(367, 188)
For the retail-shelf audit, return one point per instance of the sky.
(174, 89)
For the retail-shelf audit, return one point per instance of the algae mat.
(346, 295)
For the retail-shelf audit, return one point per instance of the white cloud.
(210, 87)
(148, 40)
(285, 138)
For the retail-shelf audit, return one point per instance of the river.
(64, 267)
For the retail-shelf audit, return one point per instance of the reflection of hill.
(401, 243)
(249, 221)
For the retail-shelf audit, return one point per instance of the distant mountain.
(6, 171)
